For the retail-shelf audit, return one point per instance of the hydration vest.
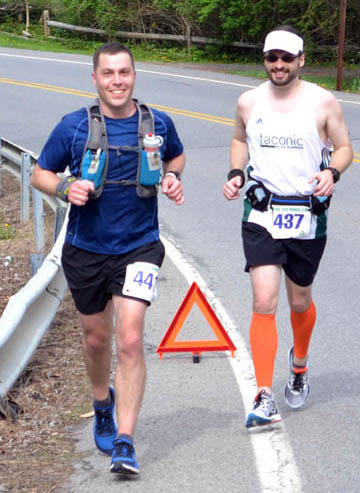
(95, 158)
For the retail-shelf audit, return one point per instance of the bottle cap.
(153, 141)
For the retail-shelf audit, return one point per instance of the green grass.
(64, 42)
(41, 43)
(143, 51)
(7, 232)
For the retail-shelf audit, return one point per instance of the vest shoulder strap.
(97, 129)
(146, 119)
(146, 125)
(97, 138)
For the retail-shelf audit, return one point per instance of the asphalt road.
(191, 434)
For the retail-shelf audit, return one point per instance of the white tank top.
(285, 147)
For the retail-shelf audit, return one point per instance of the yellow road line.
(84, 94)
(175, 111)
(193, 114)
(187, 112)
(46, 87)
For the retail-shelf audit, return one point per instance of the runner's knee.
(96, 340)
(265, 304)
(300, 305)
(130, 344)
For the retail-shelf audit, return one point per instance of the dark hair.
(112, 49)
(290, 29)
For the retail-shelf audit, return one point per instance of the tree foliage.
(16, 8)
(226, 20)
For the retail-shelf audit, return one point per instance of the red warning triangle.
(170, 345)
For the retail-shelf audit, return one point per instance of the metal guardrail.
(30, 311)
(18, 162)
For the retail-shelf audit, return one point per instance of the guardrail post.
(37, 258)
(25, 187)
(0, 161)
(59, 220)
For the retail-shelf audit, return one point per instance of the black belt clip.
(320, 204)
(258, 196)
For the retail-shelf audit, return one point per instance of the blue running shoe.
(105, 430)
(264, 411)
(123, 458)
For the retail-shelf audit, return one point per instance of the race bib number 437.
(140, 280)
(290, 221)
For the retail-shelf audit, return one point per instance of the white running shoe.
(264, 411)
(297, 389)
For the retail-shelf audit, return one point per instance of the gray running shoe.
(297, 389)
(264, 411)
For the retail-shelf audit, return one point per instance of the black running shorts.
(300, 259)
(93, 278)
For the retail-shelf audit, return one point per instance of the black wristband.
(237, 172)
(335, 173)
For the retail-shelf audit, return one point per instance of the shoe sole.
(254, 421)
(289, 394)
(124, 469)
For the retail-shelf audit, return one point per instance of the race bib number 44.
(140, 281)
(290, 221)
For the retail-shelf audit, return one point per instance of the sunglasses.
(287, 58)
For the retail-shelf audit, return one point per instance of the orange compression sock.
(263, 342)
(302, 326)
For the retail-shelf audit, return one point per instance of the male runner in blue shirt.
(112, 251)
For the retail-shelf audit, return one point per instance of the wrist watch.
(335, 173)
(175, 173)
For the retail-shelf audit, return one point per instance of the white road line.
(203, 79)
(275, 462)
(137, 69)
(46, 59)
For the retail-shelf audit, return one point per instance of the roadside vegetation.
(225, 21)
(37, 443)
(167, 53)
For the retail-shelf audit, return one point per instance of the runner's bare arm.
(44, 180)
(339, 135)
(239, 153)
(176, 164)
(170, 185)
(336, 130)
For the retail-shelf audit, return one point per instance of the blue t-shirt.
(118, 221)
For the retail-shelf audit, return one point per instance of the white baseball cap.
(284, 41)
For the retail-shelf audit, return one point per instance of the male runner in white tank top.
(292, 137)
